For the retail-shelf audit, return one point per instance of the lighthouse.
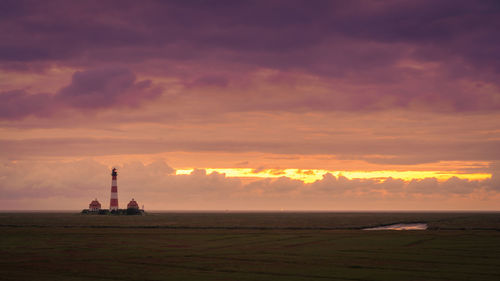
(113, 202)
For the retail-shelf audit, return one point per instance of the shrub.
(133, 211)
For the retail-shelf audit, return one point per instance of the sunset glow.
(309, 176)
(252, 105)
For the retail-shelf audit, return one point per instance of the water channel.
(400, 226)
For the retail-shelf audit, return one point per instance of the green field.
(248, 246)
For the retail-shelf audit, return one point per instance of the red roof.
(95, 203)
(133, 204)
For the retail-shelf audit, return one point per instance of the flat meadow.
(249, 246)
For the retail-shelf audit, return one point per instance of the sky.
(250, 105)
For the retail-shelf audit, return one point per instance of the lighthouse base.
(117, 212)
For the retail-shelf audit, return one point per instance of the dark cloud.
(358, 43)
(246, 26)
(90, 89)
(106, 87)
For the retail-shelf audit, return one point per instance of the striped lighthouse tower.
(113, 202)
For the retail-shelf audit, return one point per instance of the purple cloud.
(19, 104)
(107, 87)
(90, 89)
(343, 43)
(246, 27)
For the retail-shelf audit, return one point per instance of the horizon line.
(275, 211)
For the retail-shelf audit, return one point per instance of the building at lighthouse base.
(132, 209)
(94, 206)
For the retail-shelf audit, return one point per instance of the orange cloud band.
(312, 175)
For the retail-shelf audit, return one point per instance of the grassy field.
(248, 246)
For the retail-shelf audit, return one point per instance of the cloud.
(397, 150)
(50, 179)
(428, 55)
(495, 175)
(88, 90)
(210, 80)
(18, 104)
(156, 184)
(280, 187)
(106, 87)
